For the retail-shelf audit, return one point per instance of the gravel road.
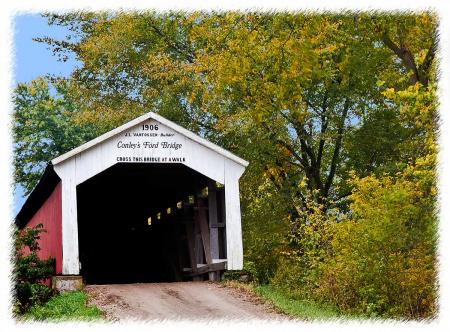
(178, 300)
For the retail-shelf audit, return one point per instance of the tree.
(43, 128)
(298, 83)
(382, 258)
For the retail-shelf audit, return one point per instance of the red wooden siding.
(50, 215)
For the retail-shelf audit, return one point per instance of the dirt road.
(179, 300)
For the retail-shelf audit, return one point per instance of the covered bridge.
(147, 201)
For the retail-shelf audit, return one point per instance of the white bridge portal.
(152, 139)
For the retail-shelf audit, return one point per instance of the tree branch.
(424, 68)
(180, 49)
(407, 58)
(337, 147)
(323, 129)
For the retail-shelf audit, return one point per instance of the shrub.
(264, 228)
(308, 246)
(383, 256)
(30, 272)
(378, 260)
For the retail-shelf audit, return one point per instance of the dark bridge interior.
(118, 242)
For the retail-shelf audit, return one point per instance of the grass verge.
(288, 305)
(301, 309)
(65, 306)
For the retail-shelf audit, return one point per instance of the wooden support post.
(176, 239)
(198, 245)
(213, 220)
(222, 234)
(204, 230)
(190, 237)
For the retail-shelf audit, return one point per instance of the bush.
(383, 257)
(309, 244)
(264, 228)
(30, 272)
(378, 260)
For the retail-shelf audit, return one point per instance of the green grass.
(296, 308)
(65, 306)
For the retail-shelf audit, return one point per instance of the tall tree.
(299, 95)
(43, 128)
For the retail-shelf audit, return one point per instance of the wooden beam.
(198, 244)
(217, 225)
(212, 214)
(204, 230)
(222, 219)
(206, 269)
(176, 238)
(190, 237)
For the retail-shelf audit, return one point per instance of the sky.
(33, 59)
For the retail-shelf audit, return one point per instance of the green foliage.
(65, 306)
(308, 87)
(380, 155)
(30, 271)
(307, 246)
(380, 260)
(263, 230)
(383, 257)
(43, 128)
(298, 83)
